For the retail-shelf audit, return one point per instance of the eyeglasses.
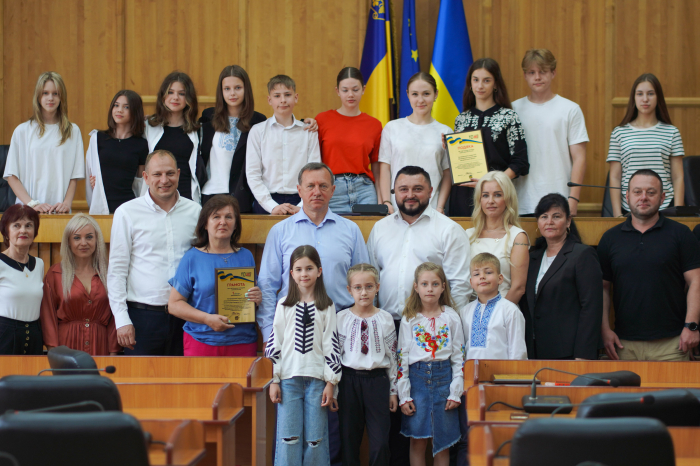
(359, 288)
(365, 337)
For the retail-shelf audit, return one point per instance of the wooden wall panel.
(198, 37)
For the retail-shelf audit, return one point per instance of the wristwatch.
(33, 203)
(692, 326)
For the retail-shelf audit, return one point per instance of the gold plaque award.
(467, 156)
(231, 286)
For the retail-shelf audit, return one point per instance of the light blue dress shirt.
(339, 243)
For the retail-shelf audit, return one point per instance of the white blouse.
(544, 266)
(379, 339)
(21, 288)
(44, 167)
(499, 247)
(495, 330)
(424, 339)
(304, 343)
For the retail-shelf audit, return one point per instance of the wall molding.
(670, 101)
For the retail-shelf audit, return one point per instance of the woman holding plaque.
(645, 138)
(415, 140)
(193, 293)
(497, 231)
(487, 108)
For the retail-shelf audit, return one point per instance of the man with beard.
(399, 243)
(648, 261)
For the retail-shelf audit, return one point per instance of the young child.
(431, 350)
(493, 326)
(368, 354)
(556, 135)
(277, 150)
(305, 353)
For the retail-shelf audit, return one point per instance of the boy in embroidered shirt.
(277, 149)
(494, 328)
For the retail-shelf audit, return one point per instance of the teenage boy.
(556, 136)
(277, 149)
(494, 328)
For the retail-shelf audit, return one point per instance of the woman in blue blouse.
(193, 293)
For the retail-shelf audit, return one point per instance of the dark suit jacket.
(238, 182)
(563, 319)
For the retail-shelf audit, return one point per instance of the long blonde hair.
(414, 304)
(64, 124)
(510, 215)
(99, 258)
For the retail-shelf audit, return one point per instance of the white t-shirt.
(405, 143)
(45, 168)
(21, 291)
(550, 128)
(221, 158)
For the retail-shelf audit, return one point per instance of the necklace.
(21, 267)
(224, 258)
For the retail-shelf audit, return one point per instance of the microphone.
(547, 404)
(108, 369)
(571, 185)
(645, 400)
(67, 406)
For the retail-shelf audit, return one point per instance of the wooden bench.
(175, 443)
(484, 440)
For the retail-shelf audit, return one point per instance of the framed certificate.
(231, 286)
(467, 156)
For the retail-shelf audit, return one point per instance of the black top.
(504, 145)
(119, 162)
(562, 319)
(646, 272)
(19, 266)
(696, 231)
(175, 140)
(238, 183)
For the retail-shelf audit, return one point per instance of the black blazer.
(563, 319)
(238, 182)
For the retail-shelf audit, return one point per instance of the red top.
(83, 322)
(349, 144)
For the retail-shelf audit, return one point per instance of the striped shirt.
(652, 148)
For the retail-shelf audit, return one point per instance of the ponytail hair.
(321, 299)
(414, 304)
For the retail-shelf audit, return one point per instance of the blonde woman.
(496, 230)
(46, 157)
(75, 309)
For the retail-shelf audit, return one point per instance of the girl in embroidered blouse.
(487, 108)
(368, 354)
(431, 348)
(305, 353)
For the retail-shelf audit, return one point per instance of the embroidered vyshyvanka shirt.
(304, 343)
(495, 330)
(370, 343)
(424, 339)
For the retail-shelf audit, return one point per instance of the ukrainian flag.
(376, 65)
(410, 64)
(452, 57)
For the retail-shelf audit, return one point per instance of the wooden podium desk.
(216, 406)
(652, 373)
(479, 397)
(485, 438)
(256, 425)
(184, 442)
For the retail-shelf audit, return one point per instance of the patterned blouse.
(503, 135)
(424, 339)
(304, 343)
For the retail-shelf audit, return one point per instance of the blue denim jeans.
(302, 424)
(351, 190)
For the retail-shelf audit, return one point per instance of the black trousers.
(461, 201)
(363, 399)
(398, 444)
(157, 333)
(293, 199)
(19, 337)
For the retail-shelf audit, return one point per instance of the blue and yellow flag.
(410, 64)
(452, 57)
(376, 63)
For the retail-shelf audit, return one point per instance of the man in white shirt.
(399, 243)
(150, 234)
(276, 150)
(555, 131)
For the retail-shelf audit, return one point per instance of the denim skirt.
(430, 387)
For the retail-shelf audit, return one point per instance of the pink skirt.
(194, 348)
